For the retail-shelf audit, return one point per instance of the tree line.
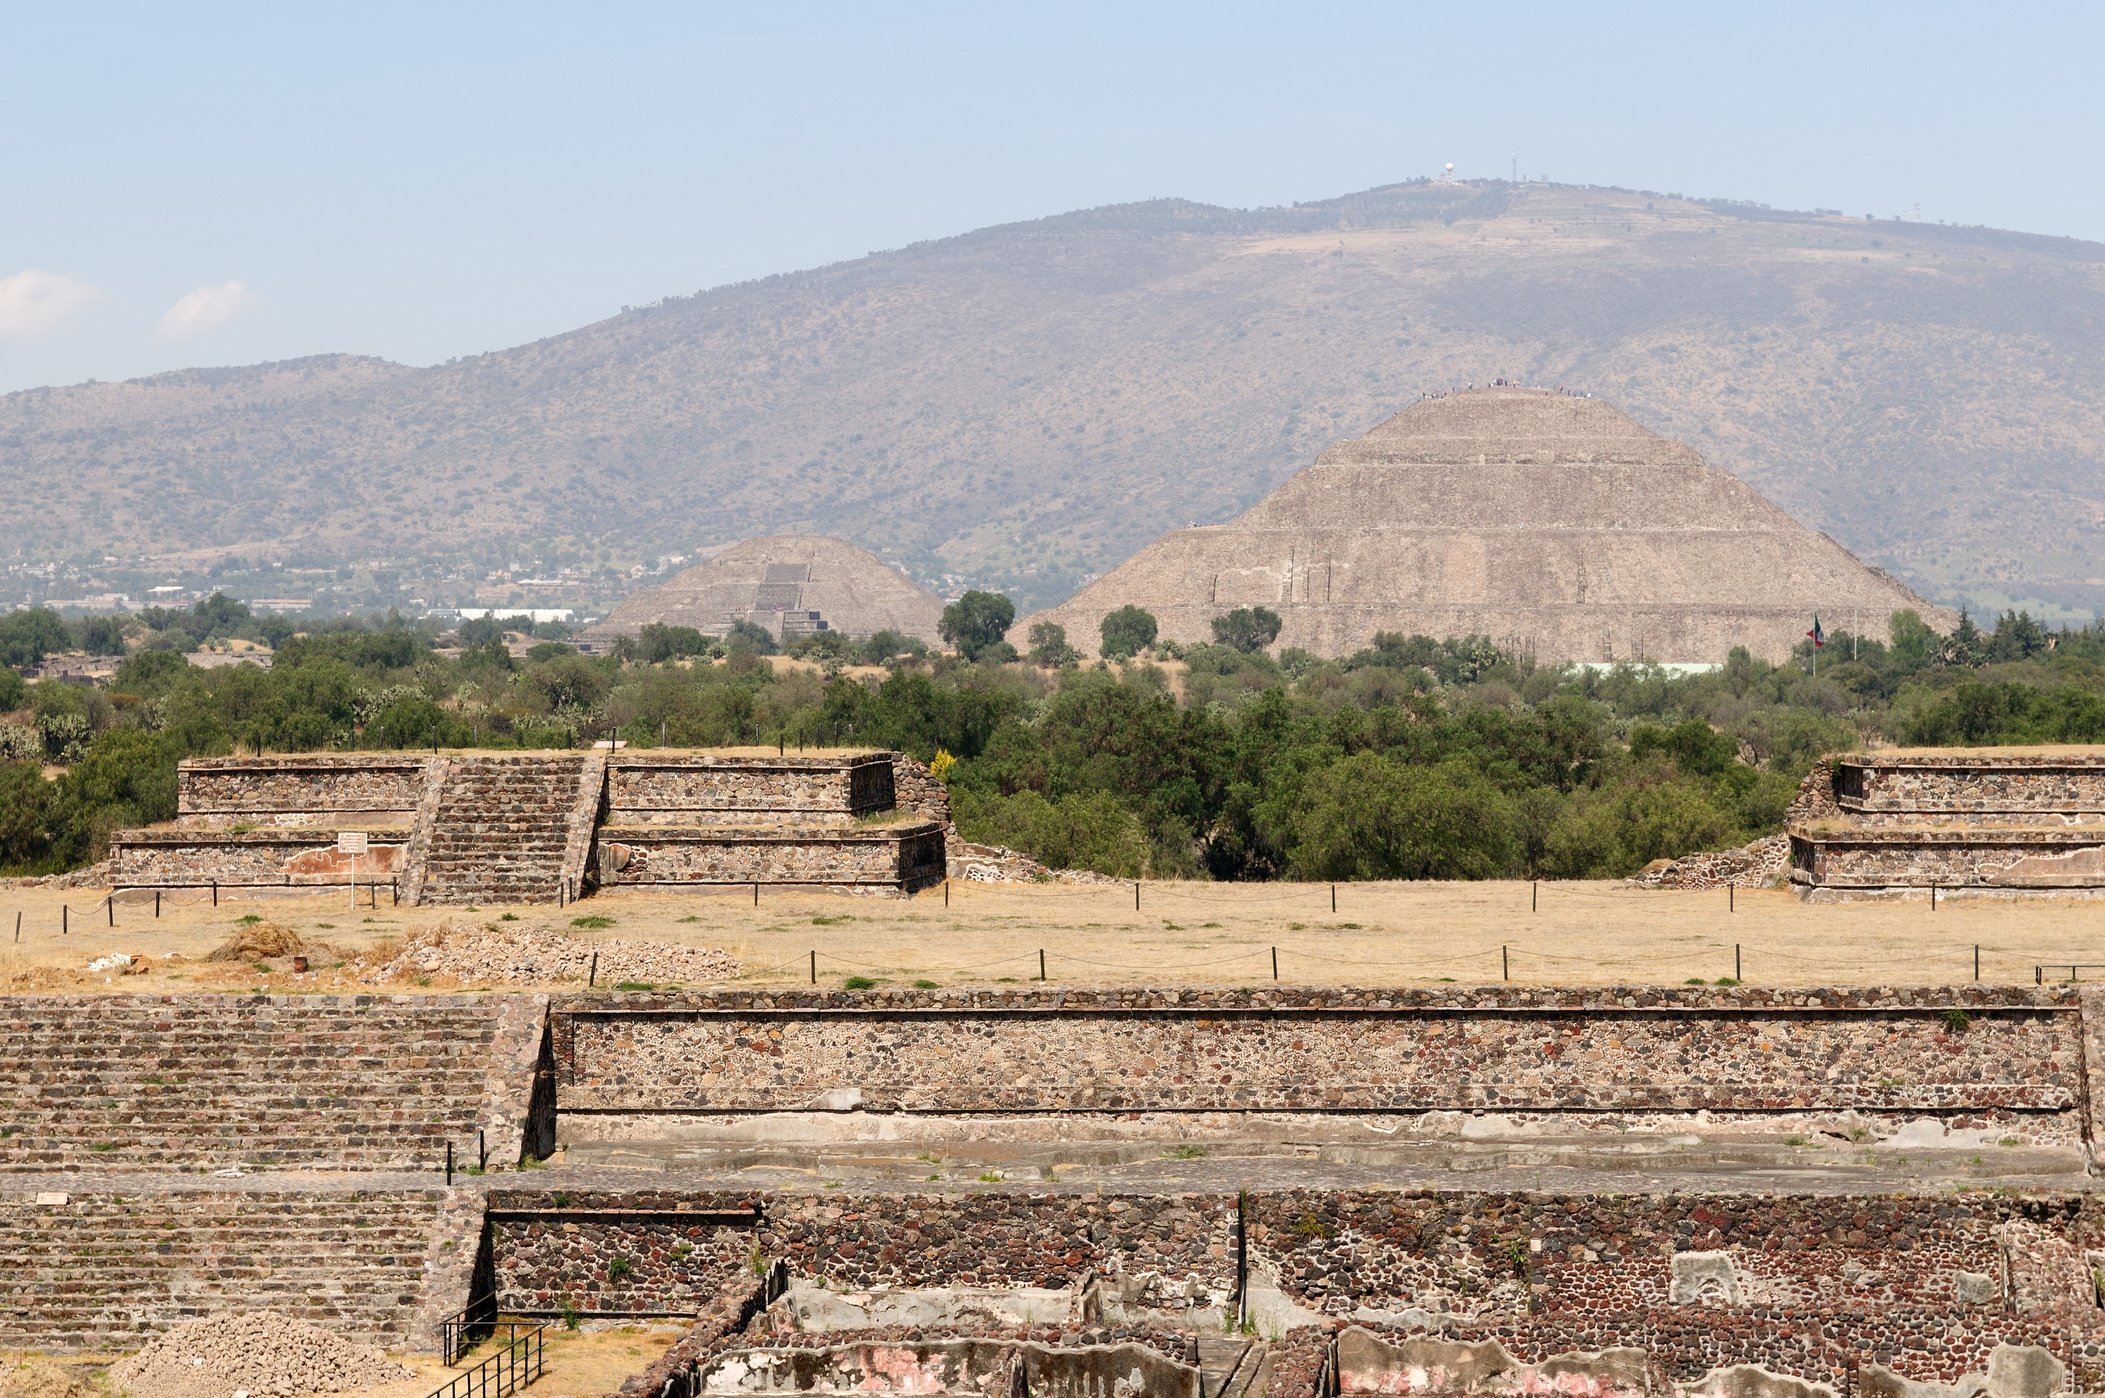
(1416, 757)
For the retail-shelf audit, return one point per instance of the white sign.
(350, 842)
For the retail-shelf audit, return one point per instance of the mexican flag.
(1816, 635)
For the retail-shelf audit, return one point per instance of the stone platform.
(1976, 822)
(1280, 1193)
(509, 828)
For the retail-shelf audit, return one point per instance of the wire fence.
(1399, 943)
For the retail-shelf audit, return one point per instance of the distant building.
(1547, 521)
(790, 585)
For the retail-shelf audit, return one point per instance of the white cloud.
(37, 302)
(205, 309)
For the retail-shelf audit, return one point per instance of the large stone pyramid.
(1552, 523)
(793, 585)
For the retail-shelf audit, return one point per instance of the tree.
(1126, 632)
(977, 621)
(1367, 817)
(749, 637)
(1247, 629)
(1911, 644)
(26, 637)
(102, 635)
(1049, 645)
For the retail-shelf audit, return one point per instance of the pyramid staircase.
(505, 829)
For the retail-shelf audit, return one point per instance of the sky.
(206, 184)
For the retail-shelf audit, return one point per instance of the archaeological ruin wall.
(1982, 822)
(498, 828)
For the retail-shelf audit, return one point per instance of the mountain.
(1027, 405)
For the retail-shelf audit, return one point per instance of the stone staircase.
(100, 1271)
(506, 829)
(204, 1082)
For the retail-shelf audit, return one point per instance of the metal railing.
(507, 1371)
(459, 1332)
(2075, 970)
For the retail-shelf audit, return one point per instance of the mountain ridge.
(1028, 404)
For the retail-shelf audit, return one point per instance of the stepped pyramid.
(1552, 523)
(789, 583)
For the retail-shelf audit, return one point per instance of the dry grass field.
(1181, 934)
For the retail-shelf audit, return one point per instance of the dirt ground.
(1182, 933)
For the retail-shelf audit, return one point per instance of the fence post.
(449, 1162)
(1136, 895)
(1275, 963)
(1505, 964)
(215, 893)
(1731, 897)
(1933, 897)
(109, 906)
(18, 924)
(65, 920)
(157, 903)
(946, 891)
(1976, 953)
(1736, 961)
(814, 965)
(482, 1149)
(1333, 897)
(1534, 894)
(756, 893)
(1041, 963)
(592, 976)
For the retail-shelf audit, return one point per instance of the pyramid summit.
(791, 584)
(1551, 522)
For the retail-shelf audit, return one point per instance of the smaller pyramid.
(790, 584)
(1554, 524)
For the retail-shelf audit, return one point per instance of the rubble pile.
(260, 1352)
(1750, 866)
(483, 953)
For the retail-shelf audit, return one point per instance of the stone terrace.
(103, 1270)
(202, 1082)
(2007, 822)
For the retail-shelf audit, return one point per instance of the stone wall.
(1807, 1286)
(307, 789)
(1950, 859)
(201, 1082)
(1403, 1051)
(264, 858)
(906, 855)
(713, 789)
(551, 1250)
(1814, 1287)
(90, 1269)
(1972, 782)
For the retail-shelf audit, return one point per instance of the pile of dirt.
(257, 941)
(36, 1378)
(266, 1354)
(483, 953)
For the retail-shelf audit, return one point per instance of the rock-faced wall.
(1896, 1052)
(713, 789)
(1967, 782)
(264, 858)
(1818, 1288)
(907, 855)
(303, 790)
(662, 1252)
(1814, 1287)
(2066, 859)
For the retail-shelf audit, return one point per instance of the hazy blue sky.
(199, 184)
